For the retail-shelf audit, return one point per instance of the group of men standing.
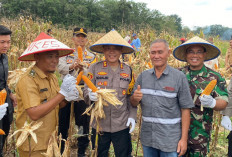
(172, 122)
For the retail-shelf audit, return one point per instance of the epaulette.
(32, 73)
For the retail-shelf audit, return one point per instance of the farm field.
(25, 30)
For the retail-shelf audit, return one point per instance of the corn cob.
(80, 53)
(2, 132)
(79, 77)
(149, 64)
(215, 66)
(3, 94)
(208, 89)
(89, 83)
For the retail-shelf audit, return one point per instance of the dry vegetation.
(25, 30)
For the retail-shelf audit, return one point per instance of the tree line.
(103, 15)
(97, 15)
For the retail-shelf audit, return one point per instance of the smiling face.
(195, 56)
(159, 54)
(80, 40)
(112, 54)
(5, 42)
(47, 61)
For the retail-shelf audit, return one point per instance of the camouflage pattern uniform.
(201, 121)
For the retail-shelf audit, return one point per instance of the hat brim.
(76, 33)
(30, 56)
(112, 38)
(212, 51)
(99, 48)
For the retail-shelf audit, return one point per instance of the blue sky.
(195, 12)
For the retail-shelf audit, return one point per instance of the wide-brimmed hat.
(211, 50)
(78, 30)
(112, 38)
(44, 43)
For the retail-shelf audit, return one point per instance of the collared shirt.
(35, 88)
(163, 99)
(136, 43)
(103, 76)
(66, 61)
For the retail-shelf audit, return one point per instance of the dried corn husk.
(53, 150)
(80, 92)
(27, 130)
(105, 96)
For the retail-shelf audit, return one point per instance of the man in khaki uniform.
(229, 56)
(70, 65)
(112, 74)
(38, 93)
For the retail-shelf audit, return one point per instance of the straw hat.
(211, 50)
(112, 38)
(44, 43)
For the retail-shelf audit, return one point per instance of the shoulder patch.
(131, 84)
(90, 76)
(104, 64)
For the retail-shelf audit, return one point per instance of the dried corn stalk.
(53, 150)
(27, 130)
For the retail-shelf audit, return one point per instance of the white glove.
(67, 85)
(207, 101)
(131, 122)
(3, 109)
(73, 95)
(226, 123)
(92, 95)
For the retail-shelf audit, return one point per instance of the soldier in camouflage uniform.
(195, 52)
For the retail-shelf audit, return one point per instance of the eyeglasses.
(191, 52)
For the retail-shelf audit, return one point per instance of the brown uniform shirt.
(104, 77)
(33, 89)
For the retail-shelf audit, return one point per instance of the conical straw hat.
(211, 50)
(44, 43)
(112, 38)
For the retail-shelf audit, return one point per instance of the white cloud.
(195, 12)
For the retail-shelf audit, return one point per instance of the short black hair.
(4, 30)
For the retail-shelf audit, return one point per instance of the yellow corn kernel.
(89, 83)
(80, 53)
(79, 77)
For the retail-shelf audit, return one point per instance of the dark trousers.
(81, 120)
(5, 126)
(230, 144)
(121, 141)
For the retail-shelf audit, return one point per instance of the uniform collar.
(105, 65)
(165, 72)
(202, 72)
(39, 72)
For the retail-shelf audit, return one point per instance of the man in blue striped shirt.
(165, 99)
